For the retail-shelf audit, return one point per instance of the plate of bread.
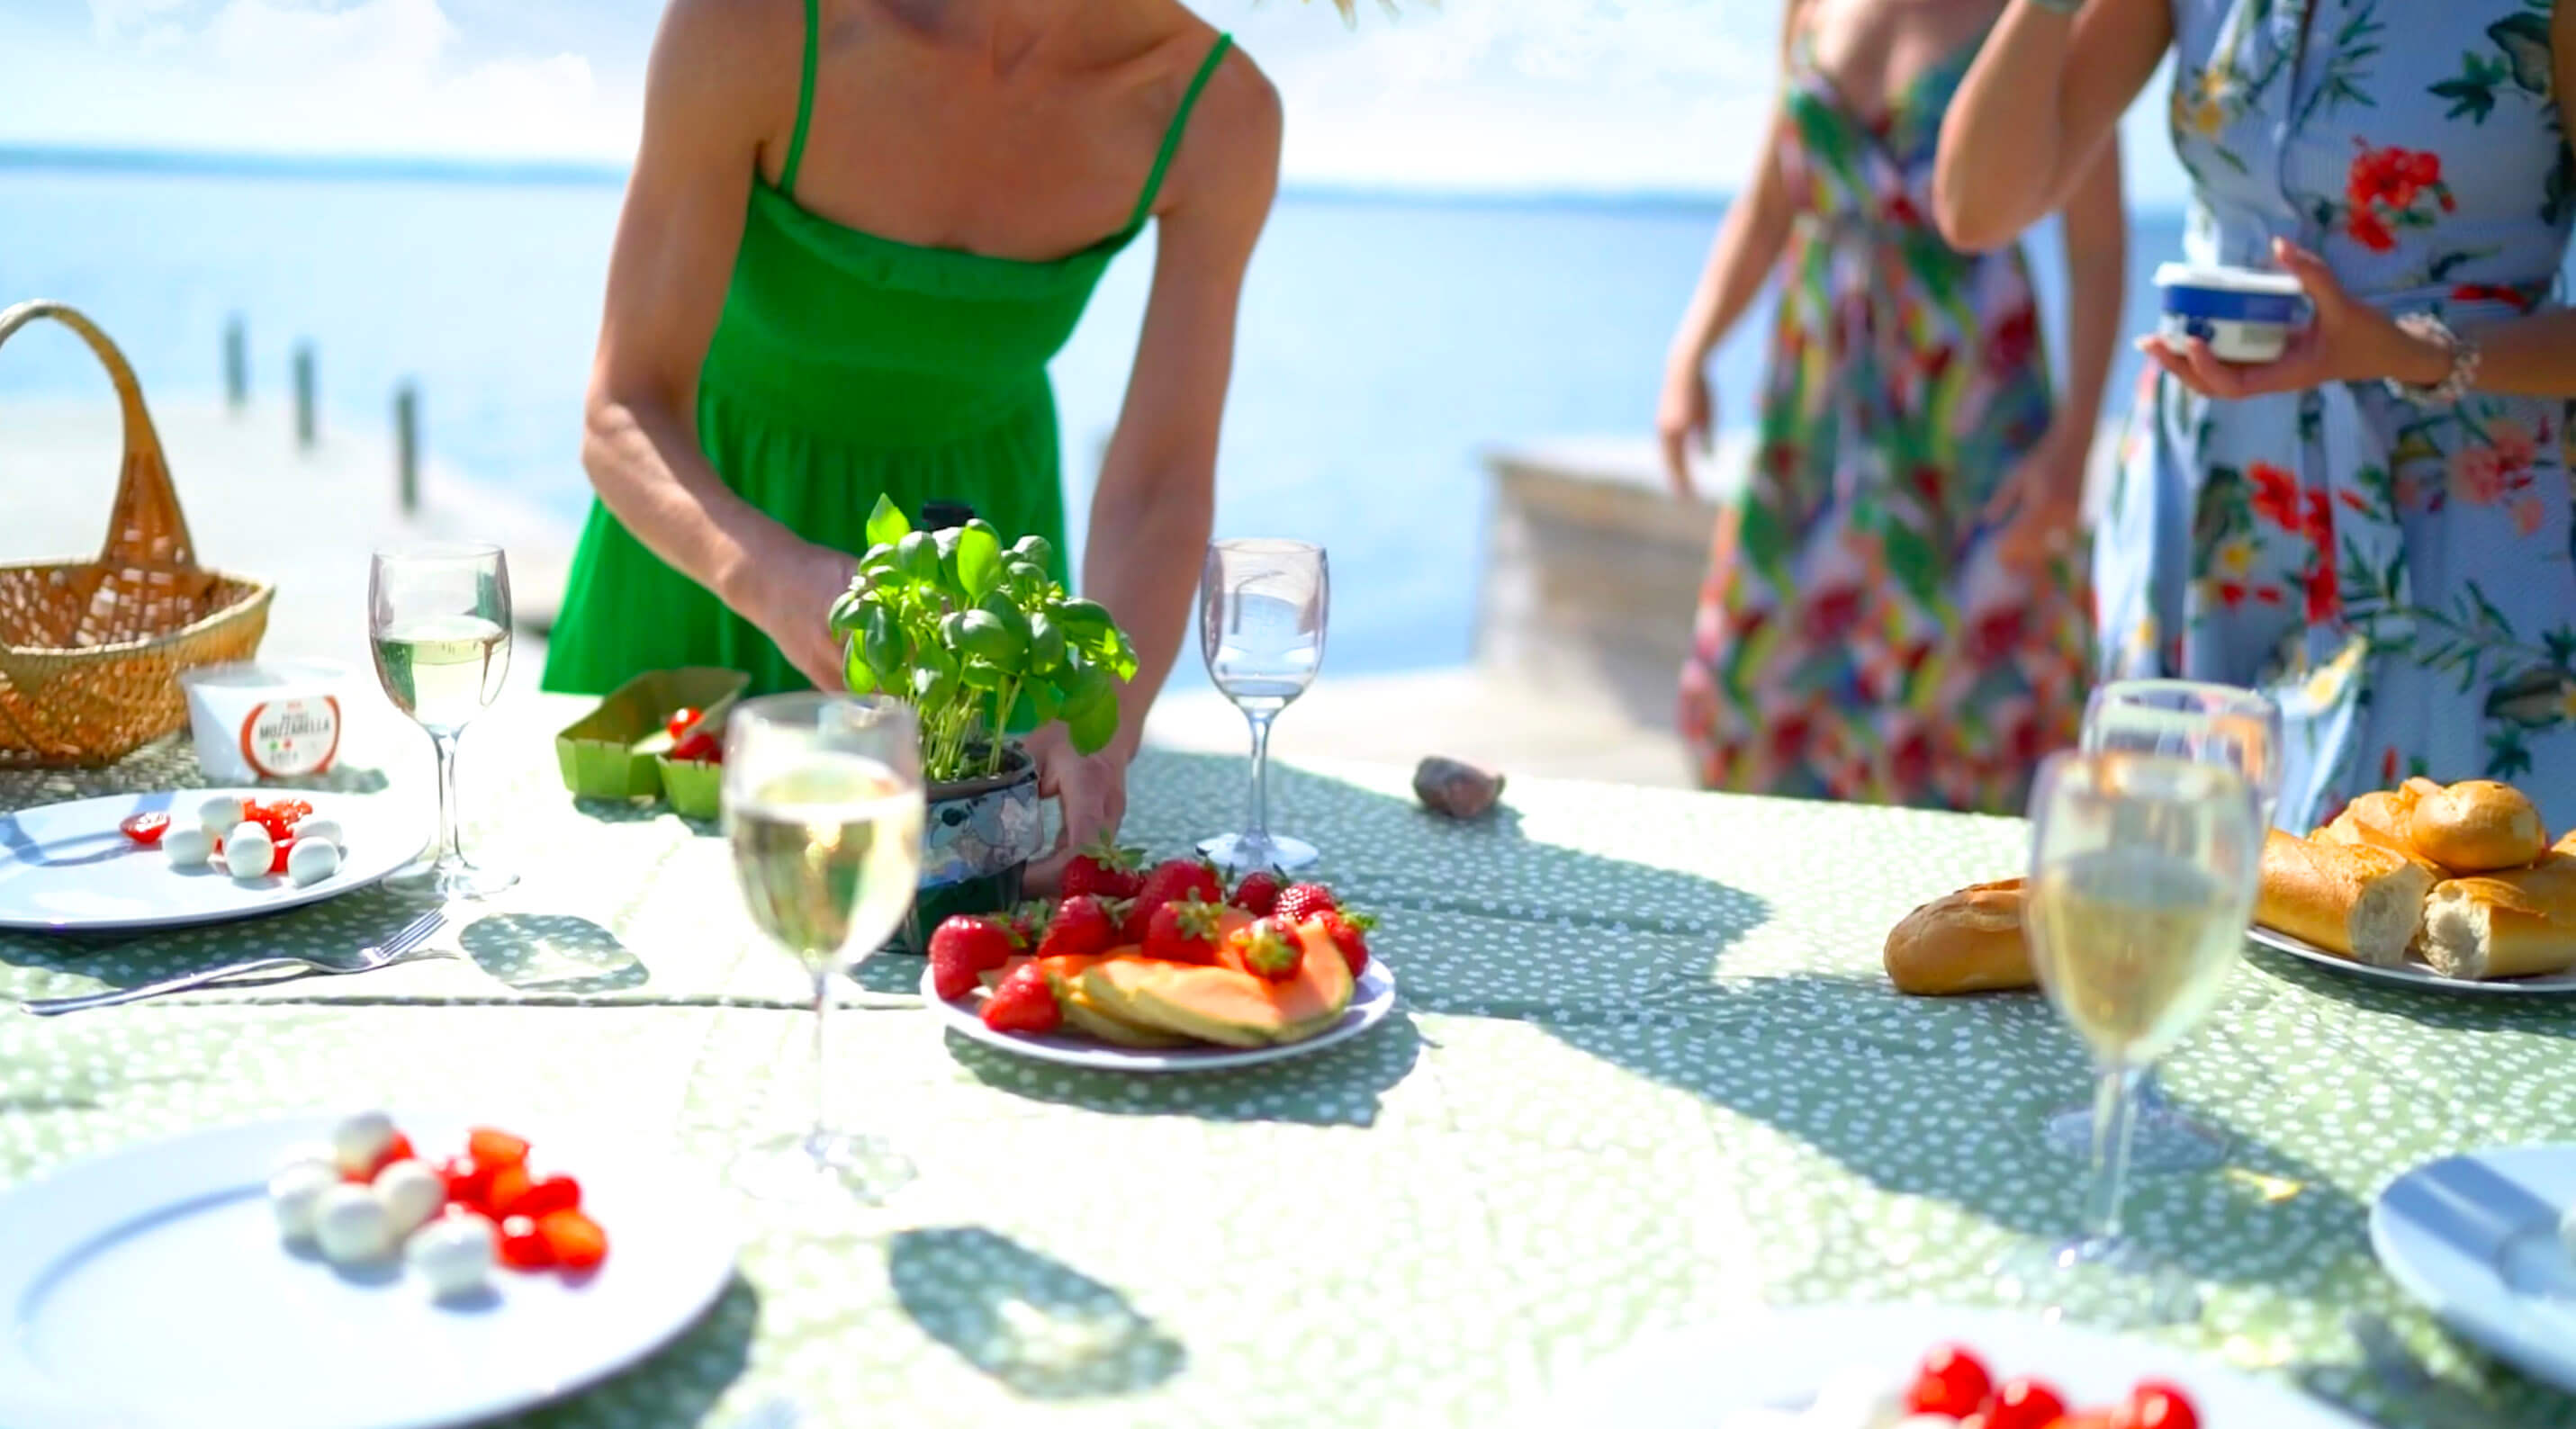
(2454, 887)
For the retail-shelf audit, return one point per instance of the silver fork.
(390, 951)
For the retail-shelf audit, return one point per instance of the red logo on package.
(286, 738)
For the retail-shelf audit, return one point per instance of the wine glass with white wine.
(823, 804)
(1263, 606)
(438, 620)
(2142, 873)
(2212, 724)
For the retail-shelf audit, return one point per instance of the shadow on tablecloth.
(1042, 1328)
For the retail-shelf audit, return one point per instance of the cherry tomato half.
(1952, 1381)
(2157, 1405)
(146, 828)
(523, 1247)
(699, 746)
(679, 722)
(2024, 1403)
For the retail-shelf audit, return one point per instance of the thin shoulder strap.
(804, 98)
(1180, 122)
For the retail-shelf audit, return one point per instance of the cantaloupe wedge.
(1226, 1005)
(1083, 1014)
(1321, 991)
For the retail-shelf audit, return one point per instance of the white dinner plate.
(67, 867)
(149, 1288)
(1371, 1000)
(1697, 1378)
(2475, 1238)
(2415, 972)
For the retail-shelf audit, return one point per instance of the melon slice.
(1209, 1004)
(1321, 991)
(1084, 1014)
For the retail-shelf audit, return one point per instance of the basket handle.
(146, 527)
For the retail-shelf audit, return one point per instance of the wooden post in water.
(407, 446)
(236, 364)
(304, 395)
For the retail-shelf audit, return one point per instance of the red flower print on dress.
(2011, 342)
(2388, 767)
(2023, 740)
(2492, 293)
(1831, 615)
(2383, 185)
(2529, 513)
(1928, 481)
(1909, 764)
(2231, 594)
(2320, 525)
(2276, 495)
(1995, 634)
(2367, 230)
(2514, 445)
(2323, 599)
(2477, 476)
(1790, 735)
(1901, 210)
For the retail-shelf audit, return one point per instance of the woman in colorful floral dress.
(1893, 610)
(2375, 529)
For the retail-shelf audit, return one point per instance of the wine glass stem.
(451, 831)
(1257, 830)
(821, 1137)
(2114, 1119)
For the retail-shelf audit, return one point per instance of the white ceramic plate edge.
(2487, 1316)
(1695, 1375)
(2414, 973)
(362, 871)
(1371, 1000)
(31, 1400)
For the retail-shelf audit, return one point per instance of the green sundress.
(848, 365)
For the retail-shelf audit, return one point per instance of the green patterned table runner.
(1647, 1071)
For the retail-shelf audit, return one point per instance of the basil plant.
(965, 630)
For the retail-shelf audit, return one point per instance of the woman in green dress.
(856, 232)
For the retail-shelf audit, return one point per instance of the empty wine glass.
(1262, 608)
(438, 620)
(823, 805)
(2208, 724)
(2142, 874)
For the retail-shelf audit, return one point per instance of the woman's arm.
(2044, 94)
(1749, 242)
(1156, 499)
(2096, 234)
(712, 100)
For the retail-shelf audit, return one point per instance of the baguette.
(2353, 900)
(2519, 923)
(1968, 941)
(2477, 826)
(2380, 819)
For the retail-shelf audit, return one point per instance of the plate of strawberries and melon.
(1167, 971)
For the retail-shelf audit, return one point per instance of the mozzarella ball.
(219, 813)
(188, 848)
(312, 860)
(327, 830)
(454, 1254)
(350, 1225)
(295, 1194)
(359, 1139)
(412, 1193)
(247, 851)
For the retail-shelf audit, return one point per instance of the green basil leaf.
(855, 672)
(845, 614)
(982, 636)
(952, 631)
(917, 556)
(979, 560)
(1083, 618)
(881, 642)
(1093, 725)
(886, 524)
(1046, 644)
(1035, 550)
(933, 687)
(1044, 703)
(981, 675)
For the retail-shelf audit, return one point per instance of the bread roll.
(2477, 826)
(2354, 900)
(2514, 924)
(1968, 941)
(2378, 819)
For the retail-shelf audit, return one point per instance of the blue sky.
(1479, 94)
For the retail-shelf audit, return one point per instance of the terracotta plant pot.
(976, 846)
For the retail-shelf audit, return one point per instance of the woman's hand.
(2347, 340)
(1091, 790)
(1684, 418)
(2039, 507)
(792, 604)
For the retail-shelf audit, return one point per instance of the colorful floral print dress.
(1856, 638)
(2398, 577)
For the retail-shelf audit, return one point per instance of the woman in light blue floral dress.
(2375, 529)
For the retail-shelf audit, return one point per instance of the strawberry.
(1171, 880)
(1258, 893)
(1082, 924)
(966, 945)
(1023, 1003)
(1184, 931)
(1266, 948)
(1349, 932)
(1029, 921)
(1303, 901)
(1104, 870)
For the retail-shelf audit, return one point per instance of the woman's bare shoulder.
(1234, 133)
(735, 47)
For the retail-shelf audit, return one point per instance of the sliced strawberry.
(147, 827)
(574, 1240)
(496, 1149)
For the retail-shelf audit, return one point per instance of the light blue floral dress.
(2400, 578)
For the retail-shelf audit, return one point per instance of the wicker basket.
(90, 651)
